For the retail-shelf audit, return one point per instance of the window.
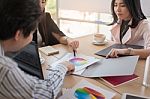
(78, 23)
(51, 8)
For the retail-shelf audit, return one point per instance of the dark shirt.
(46, 27)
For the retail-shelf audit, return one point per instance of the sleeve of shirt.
(16, 84)
(52, 25)
(146, 34)
(52, 82)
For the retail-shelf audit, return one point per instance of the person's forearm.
(62, 39)
(143, 53)
(51, 85)
(55, 77)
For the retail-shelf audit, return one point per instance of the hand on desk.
(114, 53)
(70, 67)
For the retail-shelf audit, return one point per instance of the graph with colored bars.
(88, 93)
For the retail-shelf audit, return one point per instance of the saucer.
(99, 43)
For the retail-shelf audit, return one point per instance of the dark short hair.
(20, 15)
(134, 7)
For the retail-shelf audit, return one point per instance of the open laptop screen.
(28, 60)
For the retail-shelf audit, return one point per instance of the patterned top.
(16, 84)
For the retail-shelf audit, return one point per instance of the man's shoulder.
(7, 63)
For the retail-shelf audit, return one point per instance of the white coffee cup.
(99, 38)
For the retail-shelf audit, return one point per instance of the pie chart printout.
(78, 61)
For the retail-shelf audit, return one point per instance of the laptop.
(105, 51)
(28, 60)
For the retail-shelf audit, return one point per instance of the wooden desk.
(72, 80)
(86, 47)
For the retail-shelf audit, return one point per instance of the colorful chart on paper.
(78, 61)
(88, 93)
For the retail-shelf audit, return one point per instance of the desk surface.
(86, 47)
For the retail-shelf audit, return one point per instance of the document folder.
(112, 67)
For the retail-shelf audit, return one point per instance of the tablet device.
(105, 51)
(133, 96)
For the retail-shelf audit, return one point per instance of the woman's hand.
(74, 44)
(114, 53)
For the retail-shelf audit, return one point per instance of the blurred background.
(82, 17)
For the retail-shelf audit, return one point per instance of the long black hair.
(134, 7)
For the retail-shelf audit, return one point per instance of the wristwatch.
(129, 51)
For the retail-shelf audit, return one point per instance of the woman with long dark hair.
(48, 32)
(130, 26)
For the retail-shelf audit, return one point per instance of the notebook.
(115, 81)
(105, 51)
(28, 60)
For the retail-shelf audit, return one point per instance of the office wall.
(85, 5)
(96, 5)
(146, 7)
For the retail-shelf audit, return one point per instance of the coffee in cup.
(99, 38)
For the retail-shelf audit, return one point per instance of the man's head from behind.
(18, 18)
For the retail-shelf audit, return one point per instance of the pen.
(74, 53)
